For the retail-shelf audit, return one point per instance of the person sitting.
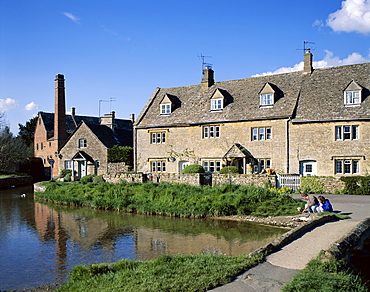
(324, 205)
(312, 204)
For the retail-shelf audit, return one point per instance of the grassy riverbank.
(173, 199)
(166, 273)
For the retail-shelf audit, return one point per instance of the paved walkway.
(281, 266)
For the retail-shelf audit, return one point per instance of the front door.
(308, 167)
(81, 168)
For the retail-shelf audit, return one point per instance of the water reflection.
(40, 243)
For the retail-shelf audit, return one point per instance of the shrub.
(98, 179)
(229, 169)
(121, 154)
(193, 168)
(68, 177)
(86, 179)
(65, 172)
(311, 185)
(356, 185)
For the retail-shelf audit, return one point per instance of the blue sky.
(122, 50)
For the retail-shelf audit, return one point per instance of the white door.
(81, 168)
(308, 167)
(183, 164)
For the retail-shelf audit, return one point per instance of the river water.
(40, 243)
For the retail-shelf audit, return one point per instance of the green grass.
(318, 276)
(173, 199)
(166, 273)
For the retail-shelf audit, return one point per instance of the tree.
(121, 154)
(27, 132)
(12, 150)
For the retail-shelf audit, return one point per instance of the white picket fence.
(288, 180)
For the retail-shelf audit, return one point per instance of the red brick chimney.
(60, 131)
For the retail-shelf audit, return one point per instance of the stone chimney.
(60, 131)
(307, 63)
(73, 115)
(208, 79)
(108, 120)
(132, 118)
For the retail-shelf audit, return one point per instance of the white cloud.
(31, 106)
(329, 61)
(353, 16)
(71, 17)
(7, 104)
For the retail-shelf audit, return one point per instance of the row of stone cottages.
(311, 122)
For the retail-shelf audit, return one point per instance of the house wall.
(178, 139)
(316, 141)
(94, 148)
(45, 149)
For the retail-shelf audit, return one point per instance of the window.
(211, 131)
(347, 132)
(352, 97)
(158, 166)
(217, 104)
(347, 166)
(211, 165)
(267, 99)
(82, 143)
(262, 164)
(68, 164)
(158, 138)
(261, 134)
(165, 109)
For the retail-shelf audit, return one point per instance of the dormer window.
(267, 99)
(165, 109)
(267, 95)
(352, 94)
(217, 104)
(166, 105)
(218, 100)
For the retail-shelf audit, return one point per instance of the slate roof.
(122, 134)
(302, 97)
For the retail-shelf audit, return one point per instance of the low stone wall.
(332, 185)
(243, 179)
(352, 240)
(117, 167)
(18, 181)
(128, 177)
(194, 179)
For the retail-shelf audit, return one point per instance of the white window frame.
(158, 137)
(211, 165)
(352, 97)
(217, 104)
(158, 166)
(211, 131)
(347, 132)
(262, 163)
(347, 166)
(261, 133)
(68, 164)
(267, 99)
(82, 143)
(165, 108)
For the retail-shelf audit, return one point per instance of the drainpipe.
(135, 150)
(287, 146)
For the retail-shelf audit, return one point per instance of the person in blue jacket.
(324, 205)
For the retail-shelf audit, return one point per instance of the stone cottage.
(77, 142)
(311, 122)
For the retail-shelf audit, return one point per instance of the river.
(40, 243)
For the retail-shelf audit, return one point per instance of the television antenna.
(204, 64)
(110, 103)
(305, 48)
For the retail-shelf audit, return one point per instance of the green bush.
(193, 168)
(229, 169)
(356, 185)
(87, 178)
(311, 185)
(68, 177)
(98, 179)
(65, 172)
(121, 154)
